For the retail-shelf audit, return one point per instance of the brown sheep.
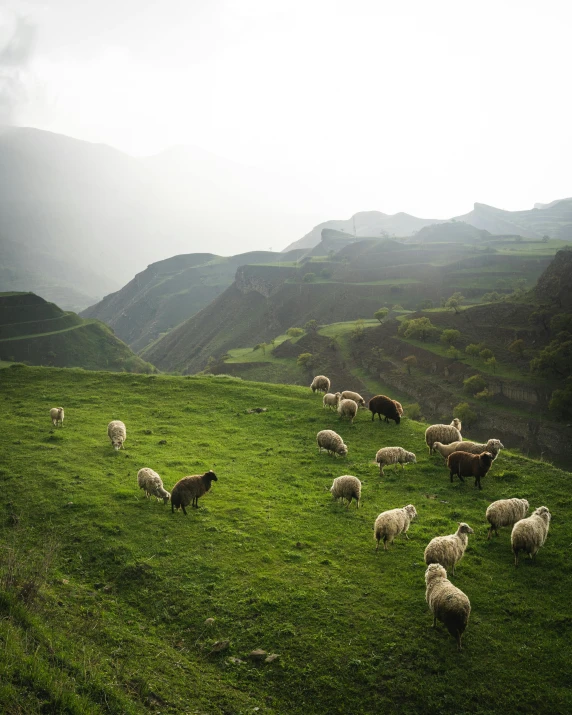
(188, 490)
(383, 405)
(464, 464)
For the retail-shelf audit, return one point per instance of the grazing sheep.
(57, 415)
(152, 483)
(464, 464)
(448, 550)
(505, 512)
(117, 433)
(493, 446)
(446, 602)
(355, 396)
(347, 408)
(320, 384)
(443, 433)
(383, 405)
(393, 522)
(188, 490)
(530, 534)
(346, 487)
(393, 455)
(399, 408)
(332, 442)
(331, 400)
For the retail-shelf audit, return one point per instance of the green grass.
(125, 586)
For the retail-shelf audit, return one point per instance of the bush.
(294, 332)
(413, 411)
(474, 384)
(305, 360)
(410, 361)
(417, 328)
(454, 354)
(465, 413)
(448, 337)
(312, 326)
(561, 401)
(473, 349)
(381, 314)
(309, 277)
(486, 354)
(454, 302)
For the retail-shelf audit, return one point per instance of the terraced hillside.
(264, 301)
(105, 599)
(39, 333)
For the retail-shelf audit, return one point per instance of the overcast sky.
(409, 105)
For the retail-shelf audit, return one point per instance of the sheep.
(530, 534)
(57, 415)
(320, 384)
(346, 487)
(446, 602)
(464, 464)
(152, 483)
(393, 522)
(332, 442)
(117, 433)
(393, 455)
(399, 408)
(383, 405)
(331, 400)
(347, 408)
(188, 490)
(448, 550)
(493, 446)
(505, 512)
(443, 433)
(355, 396)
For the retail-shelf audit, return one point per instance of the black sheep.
(382, 405)
(465, 464)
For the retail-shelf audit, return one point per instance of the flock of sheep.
(464, 459)
(446, 602)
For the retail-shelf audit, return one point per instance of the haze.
(337, 107)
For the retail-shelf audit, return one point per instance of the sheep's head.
(486, 459)
(525, 504)
(343, 450)
(543, 513)
(210, 476)
(411, 510)
(494, 445)
(410, 457)
(397, 417)
(456, 423)
(464, 528)
(117, 443)
(165, 495)
(434, 571)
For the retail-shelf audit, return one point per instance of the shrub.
(305, 360)
(454, 302)
(410, 361)
(486, 354)
(454, 354)
(474, 384)
(417, 328)
(413, 411)
(448, 337)
(294, 332)
(357, 332)
(309, 277)
(312, 326)
(381, 314)
(465, 413)
(555, 359)
(561, 400)
(492, 297)
(492, 362)
(473, 349)
(486, 394)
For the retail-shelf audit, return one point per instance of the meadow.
(104, 594)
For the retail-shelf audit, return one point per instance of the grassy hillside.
(39, 333)
(104, 594)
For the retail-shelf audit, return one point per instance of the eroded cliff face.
(555, 284)
(265, 280)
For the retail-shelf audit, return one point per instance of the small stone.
(219, 646)
(209, 621)
(257, 654)
(271, 658)
(236, 661)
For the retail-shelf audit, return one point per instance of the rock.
(209, 621)
(162, 441)
(236, 661)
(219, 646)
(257, 654)
(271, 658)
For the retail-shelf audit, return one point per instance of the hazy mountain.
(554, 220)
(168, 292)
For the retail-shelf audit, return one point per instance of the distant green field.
(104, 594)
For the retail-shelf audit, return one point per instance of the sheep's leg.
(458, 637)
(385, 543)
(434, 621)
(377, 547)
(184, 510)
(489, 533)
(196, 503)
(405, 534)
(515, 557)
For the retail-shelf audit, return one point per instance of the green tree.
(413, 411)
(294, 332)
(540, 317)
(454, 302)
(485, 395)
(305, 360)
(410, 361)
(454, 353)
(397, 307)
(486, 354)
(517, 347)
(492, 362)
(473, 349)
(465, 413)
(450, 336)
(561, 400)
(425, 304)
(309, 277)
(492, 297)
(381, 314)
(312, 326)
(358, 332)
(418, 329)
(555, 359)
(561, 323)
(474, 384)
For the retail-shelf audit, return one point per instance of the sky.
(403, 105)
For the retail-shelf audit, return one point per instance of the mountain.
(265, 300)
(39, 333)
(365, 223)
(168, 292)
(453, 231)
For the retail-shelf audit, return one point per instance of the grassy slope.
(118, 626)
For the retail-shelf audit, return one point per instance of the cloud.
(17, 41)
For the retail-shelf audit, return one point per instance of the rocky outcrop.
(555, 284)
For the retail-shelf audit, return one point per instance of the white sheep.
(446, 602)
(320, 384)
(443, 433)
(505, 512)
(391, 523)
(331, 400)
(117, 433)
(529, 534)
(355, 396)
(57, 415)
(493, 446)
(393, 455)
(332, 442)
(448, 550)
(152, 483)
(346, 487)
(347, 408)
